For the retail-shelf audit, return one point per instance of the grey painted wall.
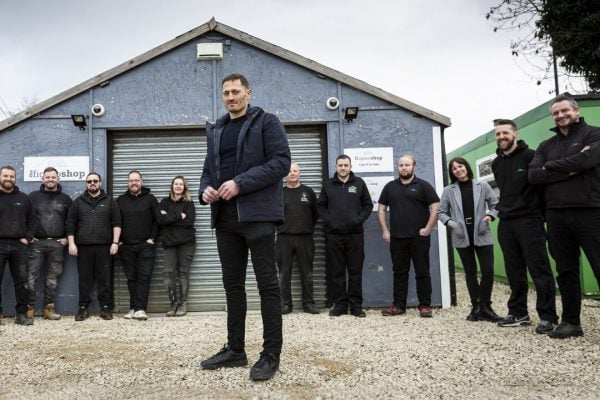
(175, 90)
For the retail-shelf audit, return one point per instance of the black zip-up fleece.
(176, 231)
(558, 157)
(518, 198)
(17, 218)
(91, 220)
(51, 210)
(138, 216)
(344, 206)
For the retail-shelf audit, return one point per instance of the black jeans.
(568, 230)
(51, 253)
(346, 254)
(303, 247)
(478, 291)
(523, 243)
(403, 251)
(94, 262)
(177, 262)
(137, 261)
(234, 239)
(15, 253)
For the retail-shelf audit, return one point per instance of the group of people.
(95, 227)
(247, 157)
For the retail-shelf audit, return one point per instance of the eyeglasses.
(93, 181)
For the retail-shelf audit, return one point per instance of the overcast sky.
(440, 54)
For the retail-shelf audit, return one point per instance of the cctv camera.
(332, 103)
(98, 110)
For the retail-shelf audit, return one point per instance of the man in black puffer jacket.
(93, 231)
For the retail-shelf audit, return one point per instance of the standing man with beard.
(93, 231)
(521, 232)
(51, 207)
(413, 205)
(17, 220)
(568, 164)
(139, 230)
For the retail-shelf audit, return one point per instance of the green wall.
(534, 126)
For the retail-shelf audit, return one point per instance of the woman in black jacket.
(176, 218)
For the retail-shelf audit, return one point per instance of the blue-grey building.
(149, 113)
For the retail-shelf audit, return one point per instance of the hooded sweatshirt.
(138, 216)
(51, 210)
(17, 219)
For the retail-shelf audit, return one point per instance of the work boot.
(50, 313)
(30, 311)
(23, 319)
(173, 300)
(181, 310)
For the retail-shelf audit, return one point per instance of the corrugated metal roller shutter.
(161, 155)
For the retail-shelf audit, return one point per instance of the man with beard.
(93, 231)
(139, 230)
(18, 220)
(51, 207)
(413, 205)
(521, 232)
(568, 164)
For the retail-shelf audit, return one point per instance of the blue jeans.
(51, 253)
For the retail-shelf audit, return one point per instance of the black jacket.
(138, 217)
(556, 158)
(51, 210)
(176, 231)
(17, 218)
(344, 206)
(518, 198)
(91, 220)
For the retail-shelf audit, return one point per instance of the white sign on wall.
(375, 185)
(371, 159)
(69, 168)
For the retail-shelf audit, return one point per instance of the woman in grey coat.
(467, 208)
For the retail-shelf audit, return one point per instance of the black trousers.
(523, 243)
(234, 240)
(403, 251)
(478, 291)
(94, 263)
(303, 248)
(570, 229)
(15, 253)
(346, 256)
(137, 261)
(177, 264)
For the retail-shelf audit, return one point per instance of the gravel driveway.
(444, 357)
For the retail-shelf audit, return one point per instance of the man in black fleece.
(18, 220)
(521, 232)
(93, 231)
(139, 230)
(568, 164)
(51, 207)
(344, 205)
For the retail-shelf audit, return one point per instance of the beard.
(406, 175)
(7, 185)
(94, 191)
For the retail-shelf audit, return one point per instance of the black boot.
(487, 313)
(475, 314)
(173, 300)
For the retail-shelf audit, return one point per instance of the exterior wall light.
(79, 121)
(350, 114)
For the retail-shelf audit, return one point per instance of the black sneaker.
(358, 312)
(565, 330)
(105, 313)
(286, 310)
(82, 314)
(23, 319)
(511, 320)
(225, 358)
(311, 309)
(545, 327)
(337, 311)
(265, 367)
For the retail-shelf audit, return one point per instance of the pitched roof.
(213, 25)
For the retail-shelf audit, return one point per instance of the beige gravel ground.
(378, 357)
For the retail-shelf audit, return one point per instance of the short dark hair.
(342, 156)
(462, 161)
(565, 97)
(94, 173)
(49, 169)
(235, 77)
(134, 171)
(8, 167)
(501, 121)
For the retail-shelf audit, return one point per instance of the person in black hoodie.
(568, 165)
(51, 207)
(93, 231)
(18, 220)
(176, 217)
(521, 232)
(344, 205)
(139, 230)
